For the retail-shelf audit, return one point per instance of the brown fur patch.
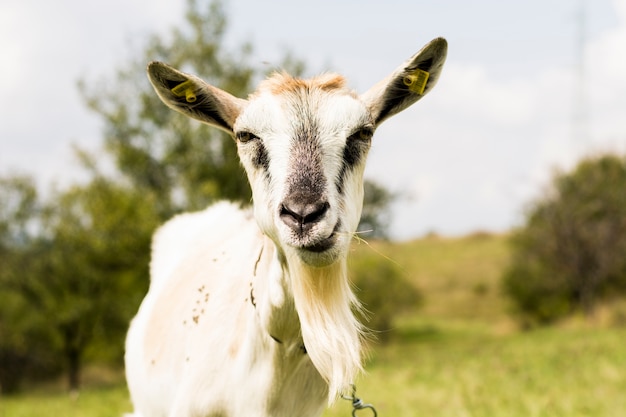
(283, 83)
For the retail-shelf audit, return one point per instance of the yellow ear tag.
(185, 89)
(416, 81)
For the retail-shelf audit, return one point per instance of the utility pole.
(580, 119)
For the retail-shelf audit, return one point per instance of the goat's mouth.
(320, 252)
(324, 244)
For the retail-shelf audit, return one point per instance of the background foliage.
(185, 164)
(74, 262)
(459, 354)
(74, 265)
(383, 290)
(571, 253)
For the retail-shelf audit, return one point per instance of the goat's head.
(303, 144)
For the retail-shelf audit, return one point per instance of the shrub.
(383, 290)
(571, 253)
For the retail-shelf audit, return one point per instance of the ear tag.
(185, 89)
(416, 80)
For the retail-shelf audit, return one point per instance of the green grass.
(459, 277)
(460, 370)
(109, 401)
(459, 355)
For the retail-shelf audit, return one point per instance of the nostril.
(290, 217)
(315, 212)
(301, 216)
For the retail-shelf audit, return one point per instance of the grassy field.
(97, 401)
(459, 355)
(465, 370)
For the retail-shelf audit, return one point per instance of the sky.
(471, 156)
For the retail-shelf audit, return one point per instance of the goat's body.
(198, 346)
(255, 317)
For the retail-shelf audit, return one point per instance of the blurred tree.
(18, 206)
(383, 290)
(74, 268)
(97, 265)
(23, 337)
(81, 277)
(376, 216)
(571, 253)
(186, 163)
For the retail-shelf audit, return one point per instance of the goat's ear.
(408, 83)
(195, 98)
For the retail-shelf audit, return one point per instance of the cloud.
(481, 147)
(606, 84)
(468, 90)
(46, 48)
(471, 153)
(11, 50)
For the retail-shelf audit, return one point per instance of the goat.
(250, 312)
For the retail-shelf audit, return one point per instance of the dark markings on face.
(306, 158)
(261, 158)
(353, 154)
(255, 147)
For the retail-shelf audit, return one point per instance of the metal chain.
(357, 404)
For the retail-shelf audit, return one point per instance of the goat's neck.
(298, 303)
(273, 297)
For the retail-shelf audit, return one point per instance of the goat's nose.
(300, 214)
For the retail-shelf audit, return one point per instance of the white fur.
(250, 312)
(184, 367)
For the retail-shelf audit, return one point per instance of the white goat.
(250, 313)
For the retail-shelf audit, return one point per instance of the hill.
(458, 354)
(458, 277)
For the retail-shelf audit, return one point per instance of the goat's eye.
(244, 136)
(363, 134)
